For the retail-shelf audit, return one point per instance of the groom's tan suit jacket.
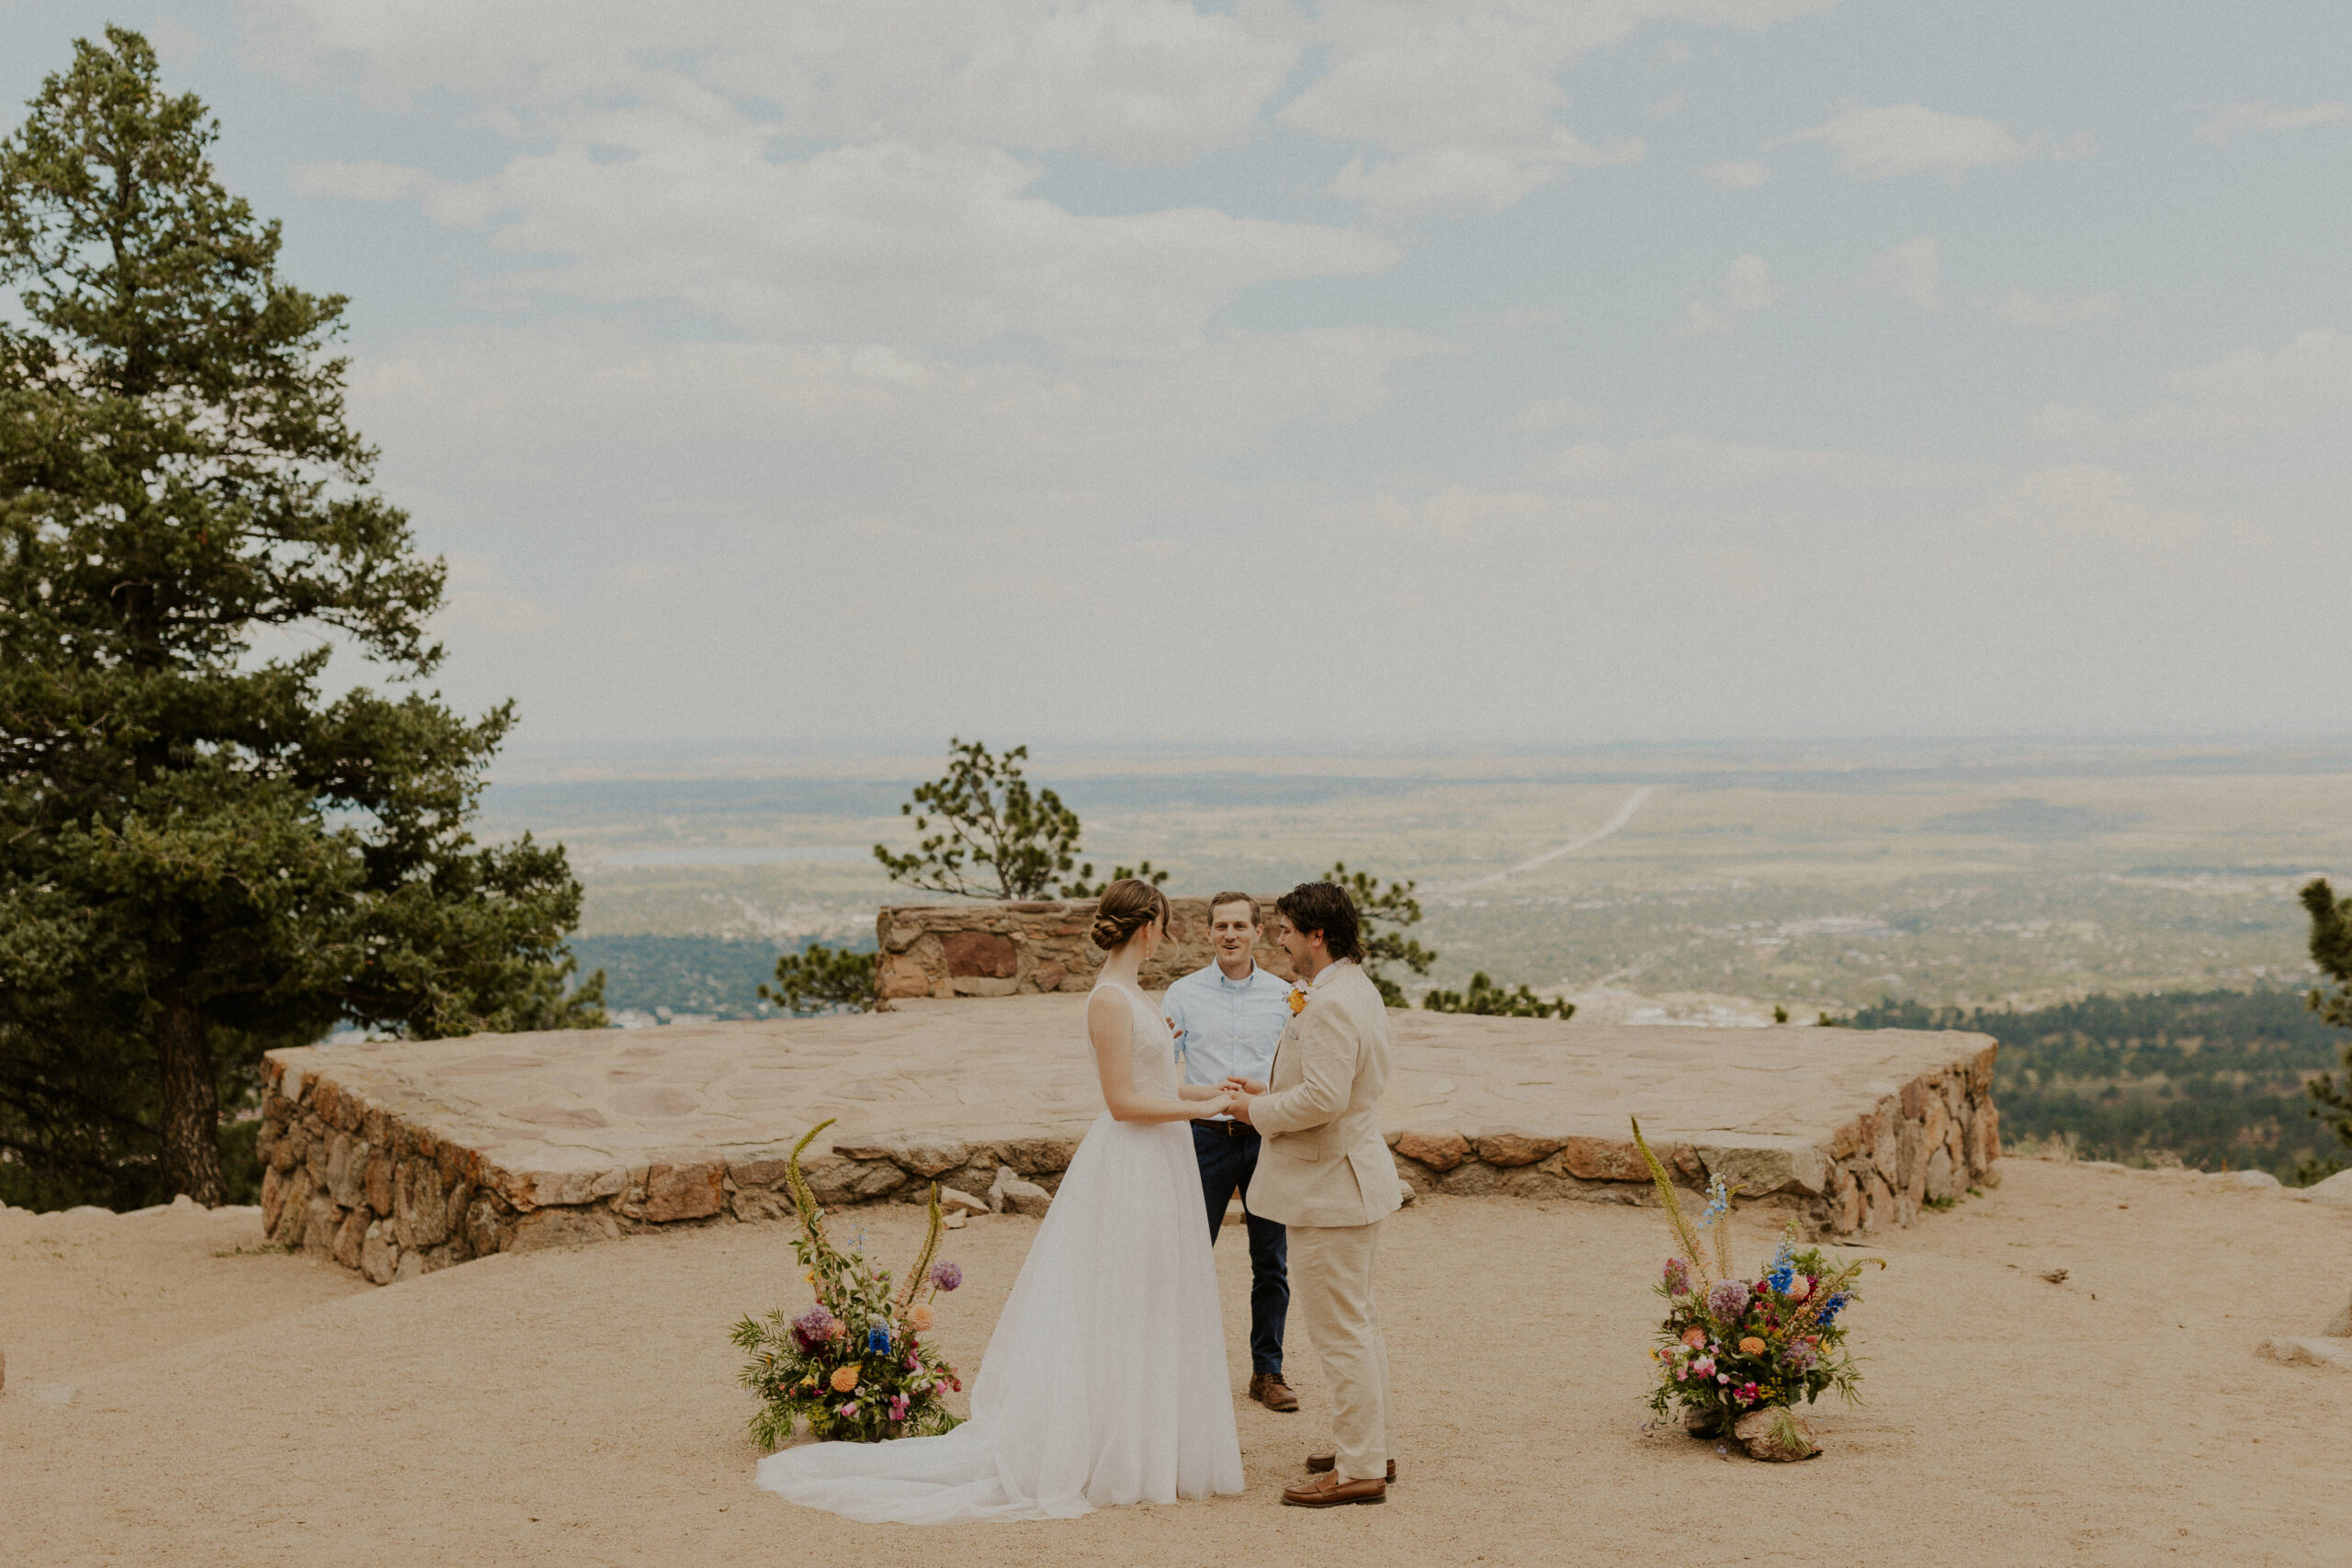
(1323, 1161)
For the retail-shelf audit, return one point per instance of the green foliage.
(1490, 1000)
(1385, 915)
(202, 855)
(988, 816)
(1082, 888)
(817, 979)
(2331, 1093)
(2214, 1078)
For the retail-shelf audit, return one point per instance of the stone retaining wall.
(390, 1197)
(989, 949)
(1924, 1143)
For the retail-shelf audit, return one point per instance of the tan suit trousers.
(1330, 1272)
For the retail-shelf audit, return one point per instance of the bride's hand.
(1215, 1105)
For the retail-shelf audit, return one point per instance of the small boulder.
(2252, 1180)
(1021, 1197)
(1774, 1433)
(954, 1201)
(2337, 1190)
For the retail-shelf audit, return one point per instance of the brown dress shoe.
(1269, 1390)
(1318, 1463)
(1331, 1492)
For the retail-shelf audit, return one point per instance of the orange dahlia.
(844, 1379)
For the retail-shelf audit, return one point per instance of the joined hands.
(1238, 1092)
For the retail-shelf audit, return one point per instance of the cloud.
(1695, 462)
(1481, 179)
(2028, 310)
(1748, 285)
(1461, 104)
(1911, 272)
(2090, 503)
(1131, 81)
(1901, 139)
(1744, 175)
(1668, 106)
(883, 242)
(2304, 385)
(2228, 121)
(1550, 413)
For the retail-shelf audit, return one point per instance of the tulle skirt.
(1105, 1381)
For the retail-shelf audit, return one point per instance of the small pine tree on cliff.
(2332, 951)
(202, 855)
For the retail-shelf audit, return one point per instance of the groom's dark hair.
(1324, 907)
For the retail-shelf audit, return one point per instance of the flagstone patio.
(398, 1158)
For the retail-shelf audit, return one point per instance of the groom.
(1325, 1174)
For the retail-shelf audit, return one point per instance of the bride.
(1105, 1381)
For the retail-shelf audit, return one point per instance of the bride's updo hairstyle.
(1127, 905)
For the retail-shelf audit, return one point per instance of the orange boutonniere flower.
(1298, 1001)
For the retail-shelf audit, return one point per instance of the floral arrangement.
(1731, 1345)
(854, 1366)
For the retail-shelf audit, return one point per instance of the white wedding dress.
(1105, 1381)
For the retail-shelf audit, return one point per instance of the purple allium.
(946, 1276)
(812, 1327)
(1800, 1356)
(1678, 1277)
(1728, 1301)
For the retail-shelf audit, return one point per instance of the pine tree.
(202, 854)
(2331, 1093)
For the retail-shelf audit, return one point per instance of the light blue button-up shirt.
(1227, 1028)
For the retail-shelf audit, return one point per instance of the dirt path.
(579, 1409)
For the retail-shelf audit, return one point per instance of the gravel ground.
(579, 1407)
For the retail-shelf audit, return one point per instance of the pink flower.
(849, 1411)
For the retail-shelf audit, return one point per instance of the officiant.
(1228, 1019)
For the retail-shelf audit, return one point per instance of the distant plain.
(1813, 877)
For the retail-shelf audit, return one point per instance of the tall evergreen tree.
(2332, 951)
(201, 854)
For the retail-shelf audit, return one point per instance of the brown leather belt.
(1230, 1129)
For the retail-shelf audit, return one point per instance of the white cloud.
(1457, 512)
(1465, 100)
(2096, 503)
(1668, 106)
(1911, 272)
(1550, 413)
(2029, 311)
(1901, 139)
(1134, 81)
(1743, 175)
(2305, 385)
(2228, 121)
(1695, 462)
(886, 242)
(1748, 285)
(1482, 179)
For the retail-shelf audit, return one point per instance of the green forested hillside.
(718, 976)
(2213, 1078)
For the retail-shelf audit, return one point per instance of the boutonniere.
(1297, 1000)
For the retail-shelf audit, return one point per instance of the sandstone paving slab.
(444, 1149)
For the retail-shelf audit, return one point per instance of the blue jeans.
(1229, 1159)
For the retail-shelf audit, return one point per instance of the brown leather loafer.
(1269, 1390)
(1319, 1464)
(1331, 1492)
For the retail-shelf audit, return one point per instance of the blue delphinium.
(1835, 1304)
(1718, 1200)
(877, 1339)
(1781, 1273)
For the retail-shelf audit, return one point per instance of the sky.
(1358, 374)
